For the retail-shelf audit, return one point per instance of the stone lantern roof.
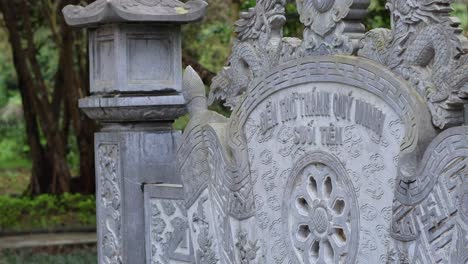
(119, 11)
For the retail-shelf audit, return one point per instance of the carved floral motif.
(322, 224)
(205, 252)
(169, 240)
(109, 203)
(247, 249)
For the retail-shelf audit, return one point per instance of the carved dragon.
(423, 45)
(257, 49)
(424, 48)
(331, 27)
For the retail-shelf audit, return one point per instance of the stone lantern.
(136, 94)
(135, 57)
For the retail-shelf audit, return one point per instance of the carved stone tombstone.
(342, 147)
(136, 94)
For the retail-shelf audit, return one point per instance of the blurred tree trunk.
(75, 76)
(51, 111)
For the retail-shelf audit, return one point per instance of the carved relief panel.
(325, 156)
(109, 202)
(336, 159)
(168, 237)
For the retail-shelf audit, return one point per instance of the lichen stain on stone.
(181, 10)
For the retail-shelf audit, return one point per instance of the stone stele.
(342, 147)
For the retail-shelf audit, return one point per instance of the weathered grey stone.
(195, 169)
(109, 202)
(257, 49)
(298, 109)
(136, 94)
(125, 162)
(329, 158)
(118, 11)
(135, 58)
(331, 27)
(143, 108)
(167, 237)
(425, 46)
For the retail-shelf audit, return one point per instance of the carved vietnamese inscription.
(324, 203)
(321, 104)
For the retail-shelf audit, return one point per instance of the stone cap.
(134, 109)
(120, 11)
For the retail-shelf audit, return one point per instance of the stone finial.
(114, 11)
(194, 91)
(332, 26)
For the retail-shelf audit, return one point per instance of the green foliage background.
(46, 212)
(83, 256)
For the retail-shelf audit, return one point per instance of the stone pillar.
(136, 84)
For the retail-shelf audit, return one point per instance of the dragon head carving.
(415, 11)
(424, 47)
(266, 17)
(259, 37)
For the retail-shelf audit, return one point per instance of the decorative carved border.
(360, 73)
(109, 202)
(444, 149)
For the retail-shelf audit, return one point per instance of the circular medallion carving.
(323, 5)
(321, 210)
